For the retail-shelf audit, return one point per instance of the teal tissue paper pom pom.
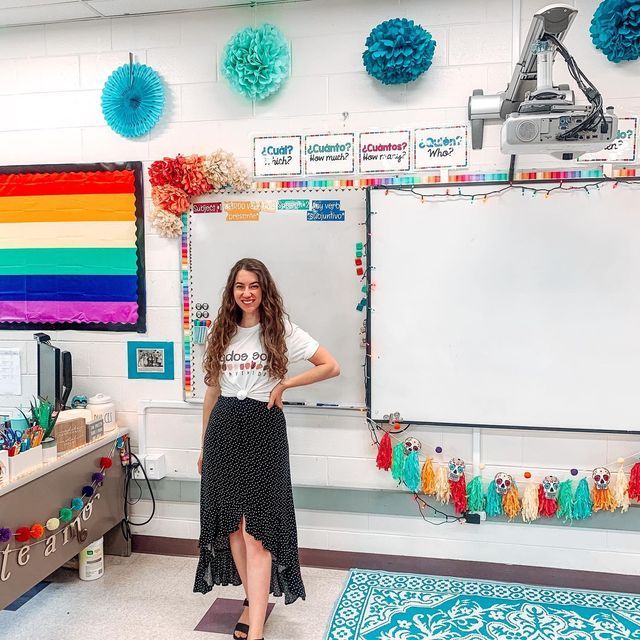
(132, 100)
(397, 461)
(494, 501)
(411, 472)
(398, 51)
(77, 504)
(256, 61)
(615, 29)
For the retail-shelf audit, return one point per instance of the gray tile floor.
(150, 597)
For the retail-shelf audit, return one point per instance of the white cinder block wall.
(50, 82)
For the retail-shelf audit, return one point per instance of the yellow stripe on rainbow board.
(92, 234)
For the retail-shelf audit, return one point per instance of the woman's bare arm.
(325, 367)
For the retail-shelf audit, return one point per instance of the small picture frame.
(150, 360)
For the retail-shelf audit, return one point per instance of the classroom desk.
(39, 496)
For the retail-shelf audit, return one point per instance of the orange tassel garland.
(511, 502)
(603, 500)
(428, 478)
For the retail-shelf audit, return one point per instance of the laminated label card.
(277, 156)
(440, 147)
(329, 153)
(384, 151)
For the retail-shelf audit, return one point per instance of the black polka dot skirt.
(245, 472)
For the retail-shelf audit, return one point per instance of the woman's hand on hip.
(275, 399)
(200, 463)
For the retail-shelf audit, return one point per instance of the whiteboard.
(309, 252)
(522, 311)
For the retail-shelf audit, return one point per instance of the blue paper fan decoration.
(398, 51)
(615, 29)
(133, 100)
(256, 61)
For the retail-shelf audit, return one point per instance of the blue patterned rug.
(376, 605)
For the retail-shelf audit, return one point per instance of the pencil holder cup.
(4, 467)
(25, 462)
(49, 450)
(199, 334)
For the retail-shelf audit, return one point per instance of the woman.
(248, 528)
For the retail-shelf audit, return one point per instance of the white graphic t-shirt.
(244, 373)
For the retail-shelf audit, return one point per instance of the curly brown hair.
(225, 326)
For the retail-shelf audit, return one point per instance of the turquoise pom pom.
(398, 51)
(494, 501)
(411, 471)
(582, 503)
(565, 500)
(615, 29)
(256, 61)
(475, 496)
(397, 462)
(133, 100)
(77, 504)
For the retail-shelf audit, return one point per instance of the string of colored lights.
(456, 193)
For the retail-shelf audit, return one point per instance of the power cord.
(596, 117)
(130, 470)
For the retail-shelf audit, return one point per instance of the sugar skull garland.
(504, 482)
(458, 484)
(601, 494)
(412, 445)
(411, 471)
(548, 496)
(502, 497)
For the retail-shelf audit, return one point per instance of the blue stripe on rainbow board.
(88, 288)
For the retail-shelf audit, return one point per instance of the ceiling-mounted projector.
(538, 116)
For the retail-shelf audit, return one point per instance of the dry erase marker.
(296, 404)
(326, 404)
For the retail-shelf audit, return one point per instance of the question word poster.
(384, 151)
(329, 153)
(440, 147)
(277, 156)
(621, 149)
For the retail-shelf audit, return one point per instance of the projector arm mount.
(531, 76)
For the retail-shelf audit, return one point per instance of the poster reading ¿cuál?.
(277, 156)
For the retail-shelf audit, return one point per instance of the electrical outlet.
(137, 471)
(155, 465)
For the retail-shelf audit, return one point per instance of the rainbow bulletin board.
(72, 247)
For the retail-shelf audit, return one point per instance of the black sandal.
(242, 627)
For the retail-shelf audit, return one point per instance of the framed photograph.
(152, 360)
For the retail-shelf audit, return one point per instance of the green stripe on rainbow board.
(80, 261)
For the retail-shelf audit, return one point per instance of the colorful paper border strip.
(496, 176)
(351, 183)
(185, 268)
(577, 174)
